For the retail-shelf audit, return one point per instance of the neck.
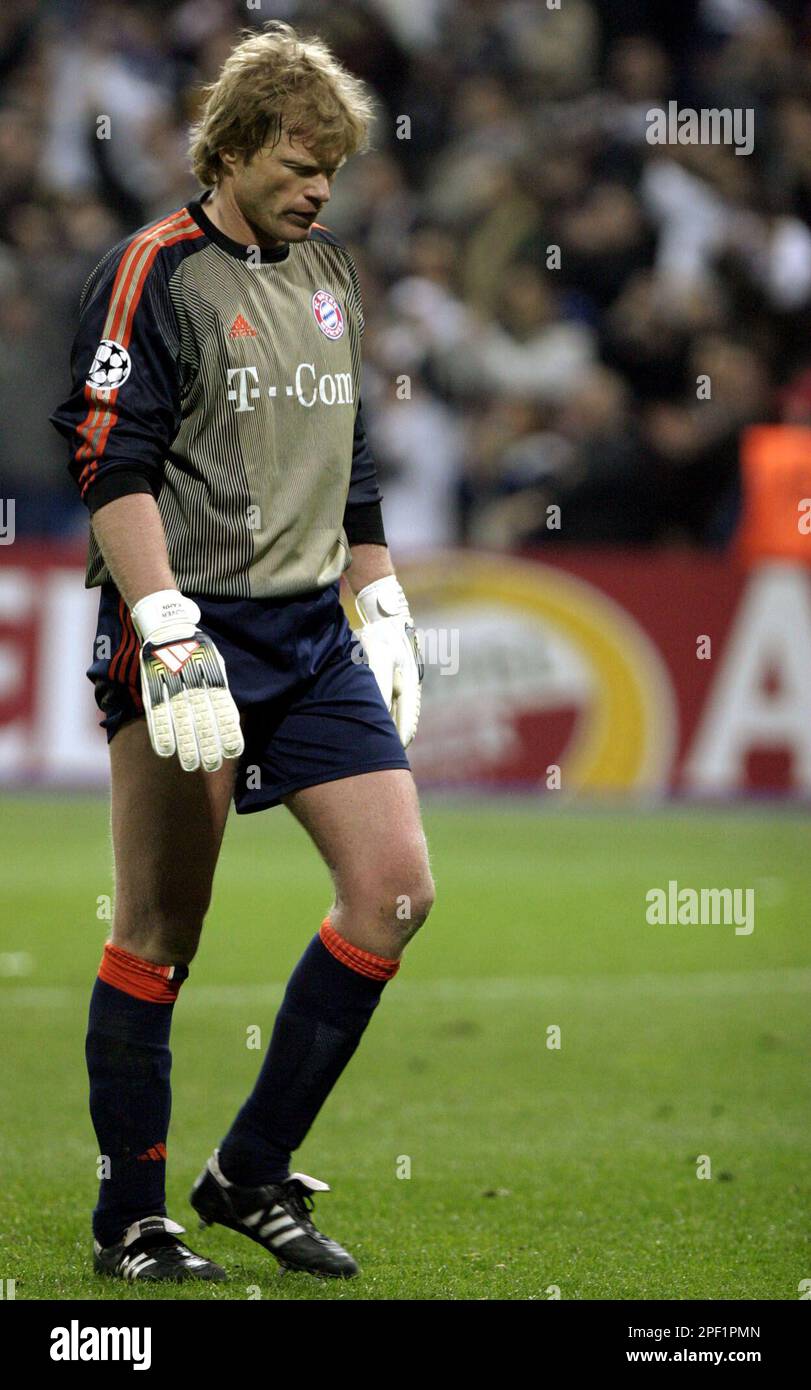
(221, 208)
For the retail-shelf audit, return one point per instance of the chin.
(280, 231)
(293, 232)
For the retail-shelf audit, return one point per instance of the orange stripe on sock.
(140, 978)
(364, 962)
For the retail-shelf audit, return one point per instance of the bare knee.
(417, 903)
(160, 928)
(382, 911)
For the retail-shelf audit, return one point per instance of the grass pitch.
(533, 1169)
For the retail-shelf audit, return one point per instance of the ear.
(229, 159)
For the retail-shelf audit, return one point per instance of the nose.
(319, 189)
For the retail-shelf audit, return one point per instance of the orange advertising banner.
(776, 517)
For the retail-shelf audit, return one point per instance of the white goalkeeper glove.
(391, 647)
(189, 708)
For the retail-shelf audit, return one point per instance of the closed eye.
(306, 170)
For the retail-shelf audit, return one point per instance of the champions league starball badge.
(111, 366)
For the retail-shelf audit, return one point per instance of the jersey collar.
(234, 248)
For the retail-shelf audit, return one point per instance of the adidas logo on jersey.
(240, 328)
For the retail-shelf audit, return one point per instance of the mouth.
(306, 217)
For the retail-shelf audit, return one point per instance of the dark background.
(530, 385)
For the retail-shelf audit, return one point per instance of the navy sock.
(129, 1064)
(329, 1000)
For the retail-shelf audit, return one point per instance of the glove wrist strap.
(383, 598)
(166, 612)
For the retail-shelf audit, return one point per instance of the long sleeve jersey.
(225, 380)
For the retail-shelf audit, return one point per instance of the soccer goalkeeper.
(216, 435)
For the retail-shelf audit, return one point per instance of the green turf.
(530, 1167)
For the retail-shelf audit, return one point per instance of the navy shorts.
(310, 714)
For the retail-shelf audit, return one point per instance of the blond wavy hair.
(277, 81)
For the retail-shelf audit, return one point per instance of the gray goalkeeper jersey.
(226, 381)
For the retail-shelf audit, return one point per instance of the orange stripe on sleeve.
(125, 297)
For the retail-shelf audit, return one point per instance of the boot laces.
(301, 1204)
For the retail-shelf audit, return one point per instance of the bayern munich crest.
(328, 314)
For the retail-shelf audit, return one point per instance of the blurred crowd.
(544, 289)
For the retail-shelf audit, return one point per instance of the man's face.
(280, 191)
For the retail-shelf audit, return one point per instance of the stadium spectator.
(551, 283)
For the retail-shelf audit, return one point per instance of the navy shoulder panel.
(166, 241)
(321, 233)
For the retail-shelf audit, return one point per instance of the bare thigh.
(167, 828)
(369, 833)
